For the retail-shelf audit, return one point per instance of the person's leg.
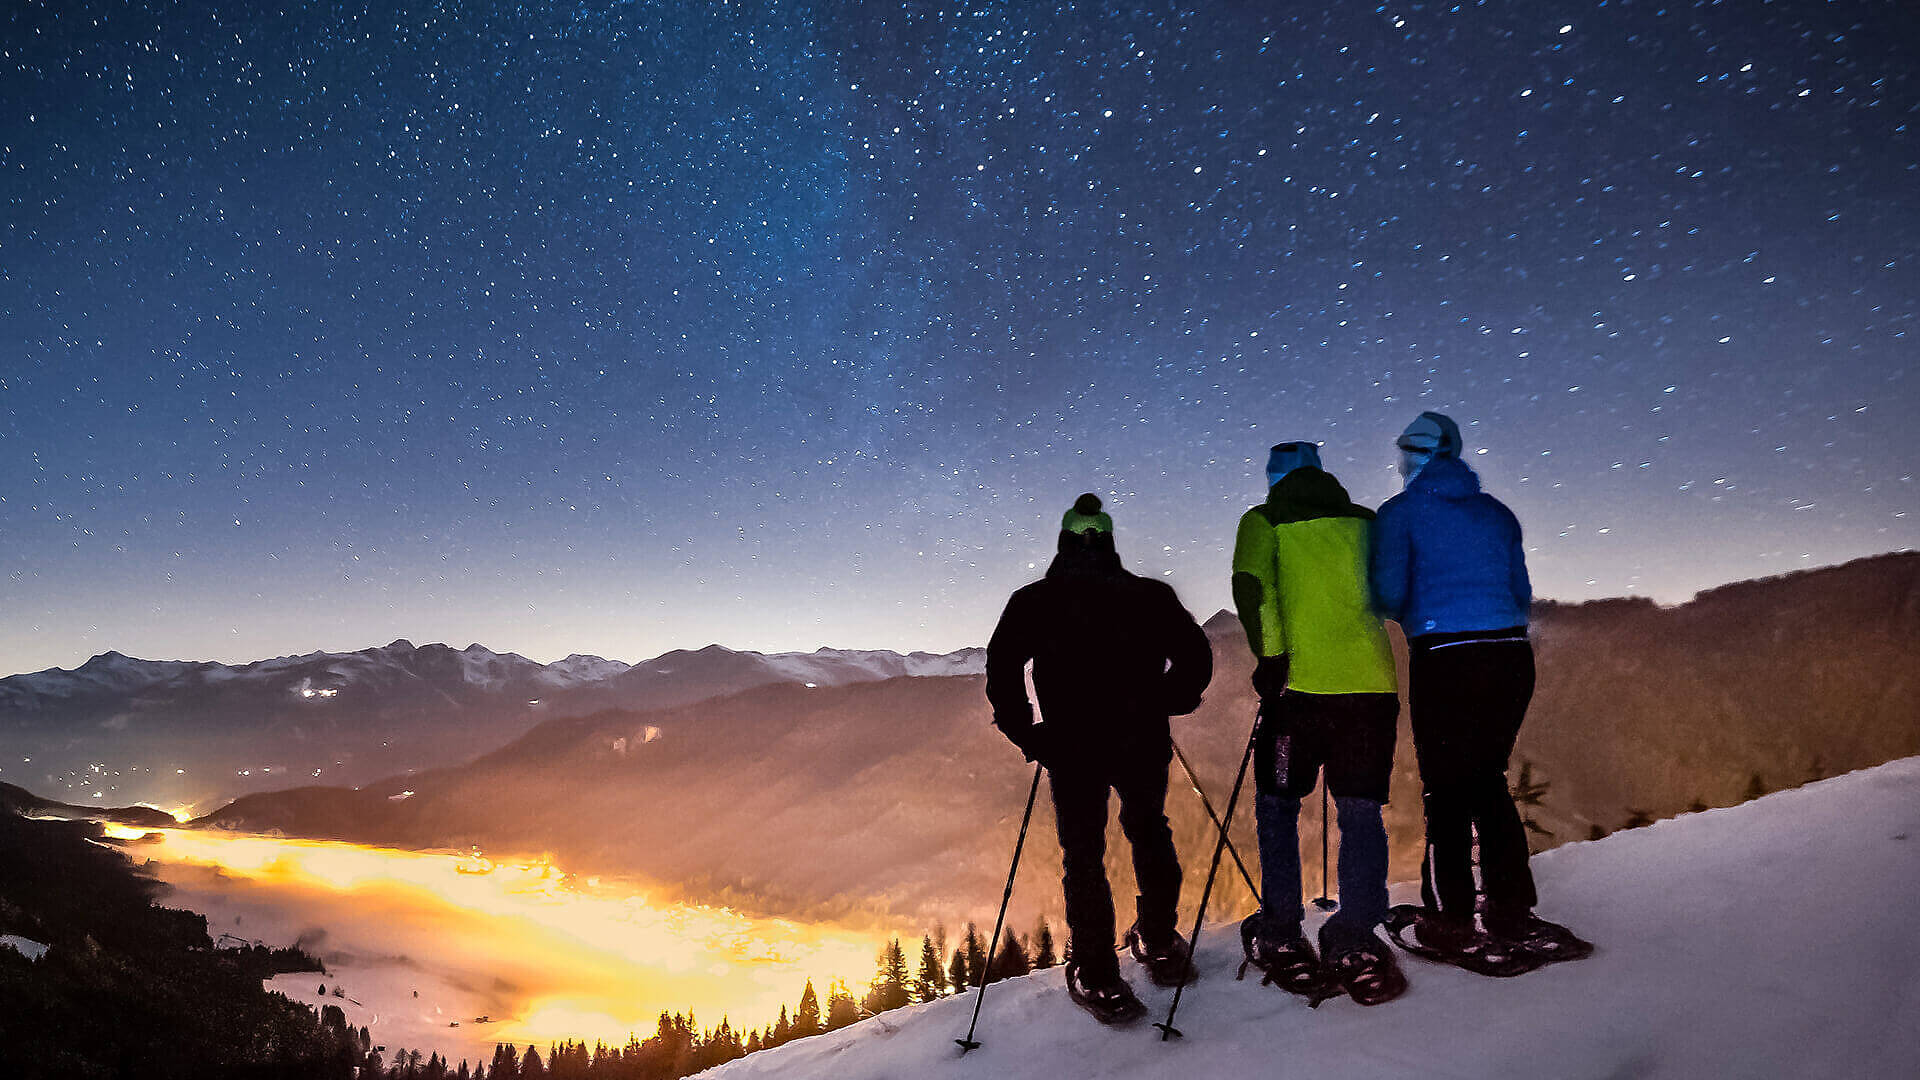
(1277, 820)
(1442, 742)
(1363, 876)
(1156, 867)
(1504, 679)
(1080, 815)
(1359, 774)
(1287, 764)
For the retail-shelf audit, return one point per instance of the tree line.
(679, 1046)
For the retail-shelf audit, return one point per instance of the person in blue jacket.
(1447, 565)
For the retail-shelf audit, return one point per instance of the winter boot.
(1457, 942)
(1287, 963)
(1167, 961)
(1110, 1002)
(1538, 937)
(1367, 973)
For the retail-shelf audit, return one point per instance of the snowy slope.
(1773, 939)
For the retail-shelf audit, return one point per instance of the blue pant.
(1362, 868)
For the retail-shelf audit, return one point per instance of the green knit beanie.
(1085, 517)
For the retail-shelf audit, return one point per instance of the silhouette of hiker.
(1447, 565)
(1329, 709)
(1113, 656)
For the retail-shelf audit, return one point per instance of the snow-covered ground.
(1773, 939)
(27, 947)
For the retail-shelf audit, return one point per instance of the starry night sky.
(616, 327)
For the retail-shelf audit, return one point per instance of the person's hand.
(1033, 741)
(1270, 677)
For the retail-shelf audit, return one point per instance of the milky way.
(617, 327)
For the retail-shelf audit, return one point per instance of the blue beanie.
(1433, 433)
(1288, 456)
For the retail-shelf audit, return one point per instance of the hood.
(1446, 477)
(1307, 492)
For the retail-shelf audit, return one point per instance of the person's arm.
(1390, 561)
(1008, 652)
(1256, 598)
(1256, 595)
(1189, 657)
(1517, 579)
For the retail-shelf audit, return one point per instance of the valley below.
(440, 951)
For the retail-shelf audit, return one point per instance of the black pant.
(1469, 696)
(1080, 810)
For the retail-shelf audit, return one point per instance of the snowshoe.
(1290, 965)
(1457, 943)
(1547, 940)
(1167, 962)
(1368, 974)
(1110, 1003)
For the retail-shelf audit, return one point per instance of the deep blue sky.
(627, 326)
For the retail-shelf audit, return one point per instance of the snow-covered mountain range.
(123, 729)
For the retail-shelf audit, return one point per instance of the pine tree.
(506, 1063)
(1638, 818)
(782, 1031)
(806, 1021)
(1043, 949)
(929, 982)
(531, 1067)
(1756, 787)
(976, 956)
(1529, 794)
(958, 977)
(842, 1009)
(1010, 959)
(890, 984)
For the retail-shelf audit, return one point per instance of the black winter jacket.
(1113, 656)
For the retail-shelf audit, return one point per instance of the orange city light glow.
(565, 958)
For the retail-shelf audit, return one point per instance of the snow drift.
(1772, 939)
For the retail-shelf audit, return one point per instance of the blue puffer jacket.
(1446, 556)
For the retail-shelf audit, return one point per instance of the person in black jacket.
(1113, 656)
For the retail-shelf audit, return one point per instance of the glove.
(1033, 741)
(1270, 678)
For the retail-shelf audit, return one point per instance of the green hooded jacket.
(1300, 587)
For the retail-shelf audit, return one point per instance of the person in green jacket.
(1329, 702)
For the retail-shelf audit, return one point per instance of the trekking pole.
(1167, 1030)
(1208, 803)
(967, 1043)
(1324, 903)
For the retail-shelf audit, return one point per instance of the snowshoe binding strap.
(1368, 975)
(1478, 952)
(1549, 941)
(1167, 966)
(1111, 1004)
(1291, 966)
